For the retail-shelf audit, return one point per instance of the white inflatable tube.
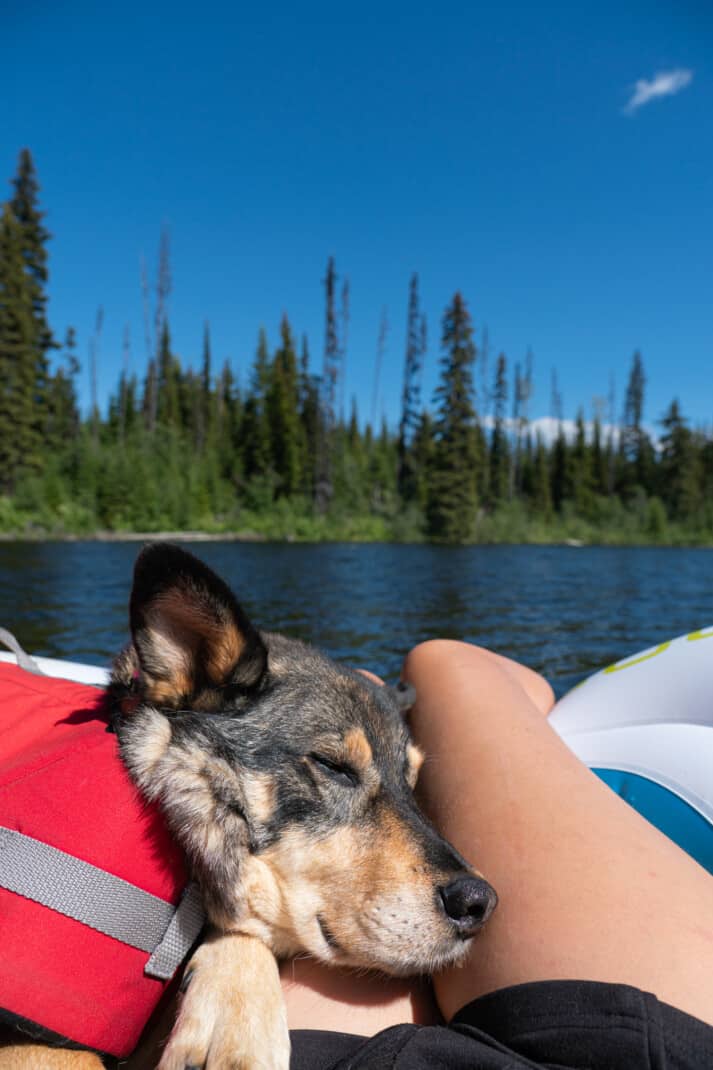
(66, 670)
(649, 718)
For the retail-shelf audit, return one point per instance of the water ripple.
(565, 611)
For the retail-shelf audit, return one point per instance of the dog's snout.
(468, 902)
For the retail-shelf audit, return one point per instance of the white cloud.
(664, 84)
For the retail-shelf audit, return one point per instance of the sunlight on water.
(562, 610)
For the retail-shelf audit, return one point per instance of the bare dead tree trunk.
(93, 362)
(343, 350)
(380, 350)
(126, 348)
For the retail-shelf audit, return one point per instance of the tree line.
(282, 455)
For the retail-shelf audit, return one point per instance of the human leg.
(588, 889)
(321, 997)
(537, 689)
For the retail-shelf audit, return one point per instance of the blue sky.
(488, 147)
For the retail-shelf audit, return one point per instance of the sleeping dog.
(287, 780)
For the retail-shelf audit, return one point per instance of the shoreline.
(138, 536)
(191, 536)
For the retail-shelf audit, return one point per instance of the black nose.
(468, 902)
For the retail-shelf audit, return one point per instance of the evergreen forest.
(187, 446)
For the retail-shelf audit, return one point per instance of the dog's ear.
(405, 695)
(190, 634)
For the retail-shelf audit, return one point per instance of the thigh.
(321, 997)
(587, 888)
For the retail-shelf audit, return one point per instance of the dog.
(288, 781)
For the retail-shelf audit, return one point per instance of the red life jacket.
(65, 801)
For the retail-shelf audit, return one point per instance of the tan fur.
(38, 1057)
(233, 1007)
(155, 741)
(357, 750)
(225, 649)
(261, 795)
(178, 630)
(415, 757)
(301, 879)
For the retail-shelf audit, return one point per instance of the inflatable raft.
(645, 726)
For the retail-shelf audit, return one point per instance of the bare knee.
(539, 690)
(444, 657)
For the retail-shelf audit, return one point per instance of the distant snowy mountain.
(548, 428)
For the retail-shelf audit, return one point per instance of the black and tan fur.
(288, 781)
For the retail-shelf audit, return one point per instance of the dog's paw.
(232, 1015)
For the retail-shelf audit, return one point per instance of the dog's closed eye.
(337, 771)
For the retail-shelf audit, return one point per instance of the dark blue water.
(564, 611)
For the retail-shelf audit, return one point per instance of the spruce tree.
(283, 414)
(149, 398)
(62, 426)
(21, 406)
(168, 386)
(324, 488)
(680, 465)
(499, 451)
(255, 433)
(411, 393)
(310, 419)
(636, 452)
(25, 208)
(204, 400)
(582, 475)
(600, 480)
(422, 449)
(542, 495)
(561, 470)
(453, 497)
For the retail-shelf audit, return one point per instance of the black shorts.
(560, 1025)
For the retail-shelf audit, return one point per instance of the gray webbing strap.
(101, 901)
(180, 936)
(23, 659)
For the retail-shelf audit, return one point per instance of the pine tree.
(310, 419)
(527, 467)
(168, 387)
(422, 448)
(255, 436)
(680, 465)
(124, 385)
(481, 460)
(499, 452)
(62, 427)
(453, 498)
(542, 495)
(227, 422)
(283, 414)
(150, 395)
(382, 472)
(636, 452)
(25, 208)
(411, 394)
(324, 488)
(599, 460)
(204, 401)
(582, 476)
(21, 412)
(561, 470)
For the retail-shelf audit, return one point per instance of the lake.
(565, 611)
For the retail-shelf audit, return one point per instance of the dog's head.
(288, 780)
